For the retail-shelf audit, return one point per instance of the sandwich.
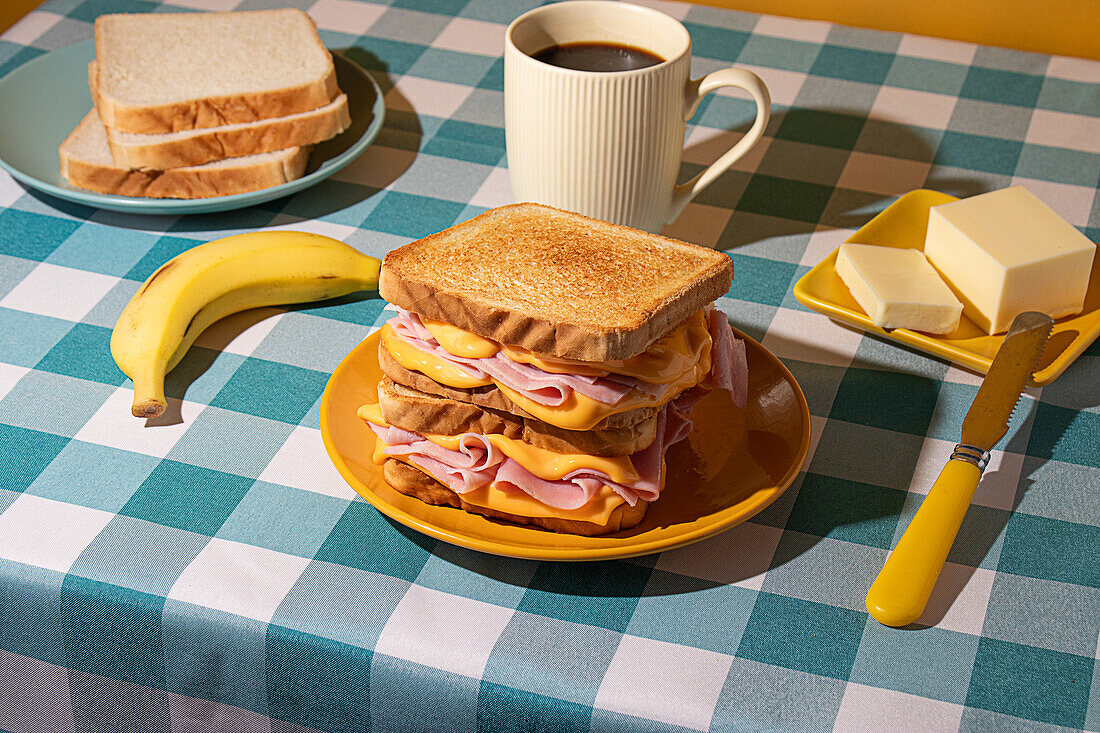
(539, 365)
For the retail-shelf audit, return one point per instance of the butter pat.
(1006, 252)
(897, 288)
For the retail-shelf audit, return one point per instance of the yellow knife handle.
(899, 594)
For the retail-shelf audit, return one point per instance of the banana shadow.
(201, 359)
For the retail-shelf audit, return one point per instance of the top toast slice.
(555, 282)
(166, 72)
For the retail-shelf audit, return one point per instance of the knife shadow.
(1038, 440)
(980, 530)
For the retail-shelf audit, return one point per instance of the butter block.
(897, 288)
(1006, 252)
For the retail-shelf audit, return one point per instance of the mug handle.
(693, 95)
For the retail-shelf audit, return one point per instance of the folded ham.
(477, 463)
(729, 369)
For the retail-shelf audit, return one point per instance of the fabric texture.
(213, 572)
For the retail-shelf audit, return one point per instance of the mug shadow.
(803, 179)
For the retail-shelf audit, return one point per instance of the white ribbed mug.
(608, 144)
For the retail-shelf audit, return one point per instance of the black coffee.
(597, 57)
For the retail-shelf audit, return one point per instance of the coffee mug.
(608, 144)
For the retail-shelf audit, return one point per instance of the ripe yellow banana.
(213, 280)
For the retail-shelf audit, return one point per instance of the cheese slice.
(897, 288)
(577, 412)
(414, 359)
(663, 362)
(459, 341)
(546, 464)
(1006, 252)
(597, 510)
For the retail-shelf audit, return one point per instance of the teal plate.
(43, 100)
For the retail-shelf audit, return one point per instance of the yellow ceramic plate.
(734, 464)
(904, 224)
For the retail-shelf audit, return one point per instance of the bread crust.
(423, 413)
(493, 398)
(555, 282)
(215, 143)
(216, 111)
(413, 482)
(181, 183)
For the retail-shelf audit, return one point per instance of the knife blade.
(901, 590)
(987, 420)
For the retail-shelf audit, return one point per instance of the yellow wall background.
(1063, 27)
(13, 10)
(1066, 27)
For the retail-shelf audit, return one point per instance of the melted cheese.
(546, 464)
(431, 365)
(679, 360)
(460, 342)
(665, 361)
(597, 510)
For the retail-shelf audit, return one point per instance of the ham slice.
(542, 387)
(477, 462)
(728, 367)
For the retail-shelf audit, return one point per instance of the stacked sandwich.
(191, 105)
(540, 364)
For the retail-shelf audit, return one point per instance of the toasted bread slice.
(414, 482)
(86, 162)
(493, 398)
(555, 282)
(165, 72)
(424, 413)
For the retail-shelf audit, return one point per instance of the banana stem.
(149, 399)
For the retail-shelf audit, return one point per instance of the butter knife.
(899, 594)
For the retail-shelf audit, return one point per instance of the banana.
(213, 280)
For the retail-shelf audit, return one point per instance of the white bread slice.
(86, 162)
(166, 72)
(195, 147)
(555, 282)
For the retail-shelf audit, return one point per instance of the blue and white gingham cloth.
(213, 572)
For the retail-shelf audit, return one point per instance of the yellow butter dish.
(904, 224)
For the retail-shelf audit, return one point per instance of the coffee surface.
(597, 57)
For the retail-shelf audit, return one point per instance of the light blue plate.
(43, 100)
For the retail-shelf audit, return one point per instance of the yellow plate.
(735, 463)
(904, 224)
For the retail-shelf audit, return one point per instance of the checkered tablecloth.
(214, 572)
